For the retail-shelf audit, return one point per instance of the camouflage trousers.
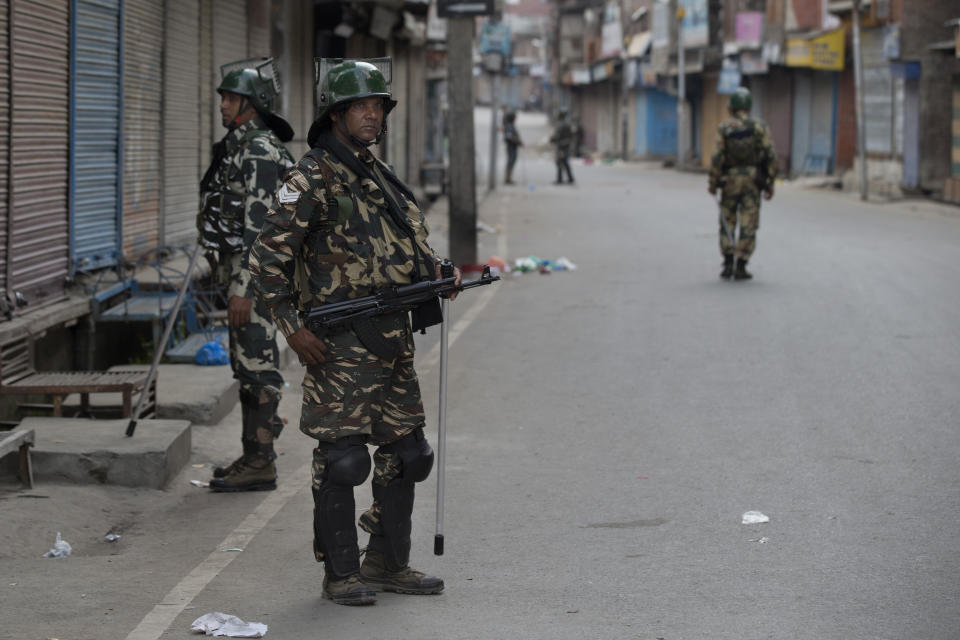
(354, 392)
(746, 202)
(254, 359)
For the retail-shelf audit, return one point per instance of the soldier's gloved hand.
(238, 313)
(768, 193)
(456, 274)
(308, 347)
(712, 190)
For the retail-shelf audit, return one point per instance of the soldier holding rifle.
(344, 226)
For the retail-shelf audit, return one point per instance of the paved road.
(608, 427)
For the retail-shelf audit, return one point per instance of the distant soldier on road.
(345, 226)
(562, 139)
(511, 138)
(743, 165)
(235, 194)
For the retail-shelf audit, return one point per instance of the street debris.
(222, 624)
(763, 540)
(533, 263)
(200, 483)
(112, 537)
(755, 517)
(61, 548)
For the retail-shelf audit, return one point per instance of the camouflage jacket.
(329, 237)
(235, 194)
(744, 156)
(562, 138)
(511, 136)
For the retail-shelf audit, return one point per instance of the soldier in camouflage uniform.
(511, 138)
(562, 139)
(743, 165)
(236, 192)
(345, 226)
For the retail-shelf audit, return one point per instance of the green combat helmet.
(257, 80)
(741, 100)
(339, 81)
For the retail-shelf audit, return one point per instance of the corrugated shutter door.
(229, 45)
(181, 122)
(142, 82)
(4, 137)
(877, 93)
(38, 243)
(96, 132)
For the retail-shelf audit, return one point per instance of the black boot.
(727, 272)
(742, 273)
(334, 530)
(386, 563)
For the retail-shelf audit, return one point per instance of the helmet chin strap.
(244, 103)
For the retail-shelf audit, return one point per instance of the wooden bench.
(18, 377)
(21, 440)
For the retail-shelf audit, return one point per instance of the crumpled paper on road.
(222, 624)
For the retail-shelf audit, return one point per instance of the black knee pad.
(415, 453)
(347, 466)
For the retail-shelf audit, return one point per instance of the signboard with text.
(823, 52)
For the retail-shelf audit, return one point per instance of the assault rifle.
(353, 313)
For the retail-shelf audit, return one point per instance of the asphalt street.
(607, 429)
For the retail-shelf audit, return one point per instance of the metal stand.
(446, 271)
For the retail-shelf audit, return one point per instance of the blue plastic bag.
(212, 353)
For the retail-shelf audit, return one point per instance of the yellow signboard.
(822, 52)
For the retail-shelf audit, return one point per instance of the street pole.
(681, 93)
(494, 107)
(858, 80)
(463, 177)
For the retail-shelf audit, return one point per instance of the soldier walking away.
(562, 140)
(235, 194)
(511, 138)
(743, 165)
(346, 226)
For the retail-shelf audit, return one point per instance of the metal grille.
(181, 122)
(95, 151)
(229, 44)
(4, 137)
(38, 256)
(142, 60)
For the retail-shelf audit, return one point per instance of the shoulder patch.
(286, 195)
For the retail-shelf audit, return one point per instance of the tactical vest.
(222, 211)
(741, 146)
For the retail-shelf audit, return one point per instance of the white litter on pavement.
(755, 517)
(222, 624)
(61, 548)
(199, 483)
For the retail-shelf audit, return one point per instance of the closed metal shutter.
(142, 99)
(95, 131)
(37, 245)
(4, 138)
(229, 45)
(181, 122)
(878, 92)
